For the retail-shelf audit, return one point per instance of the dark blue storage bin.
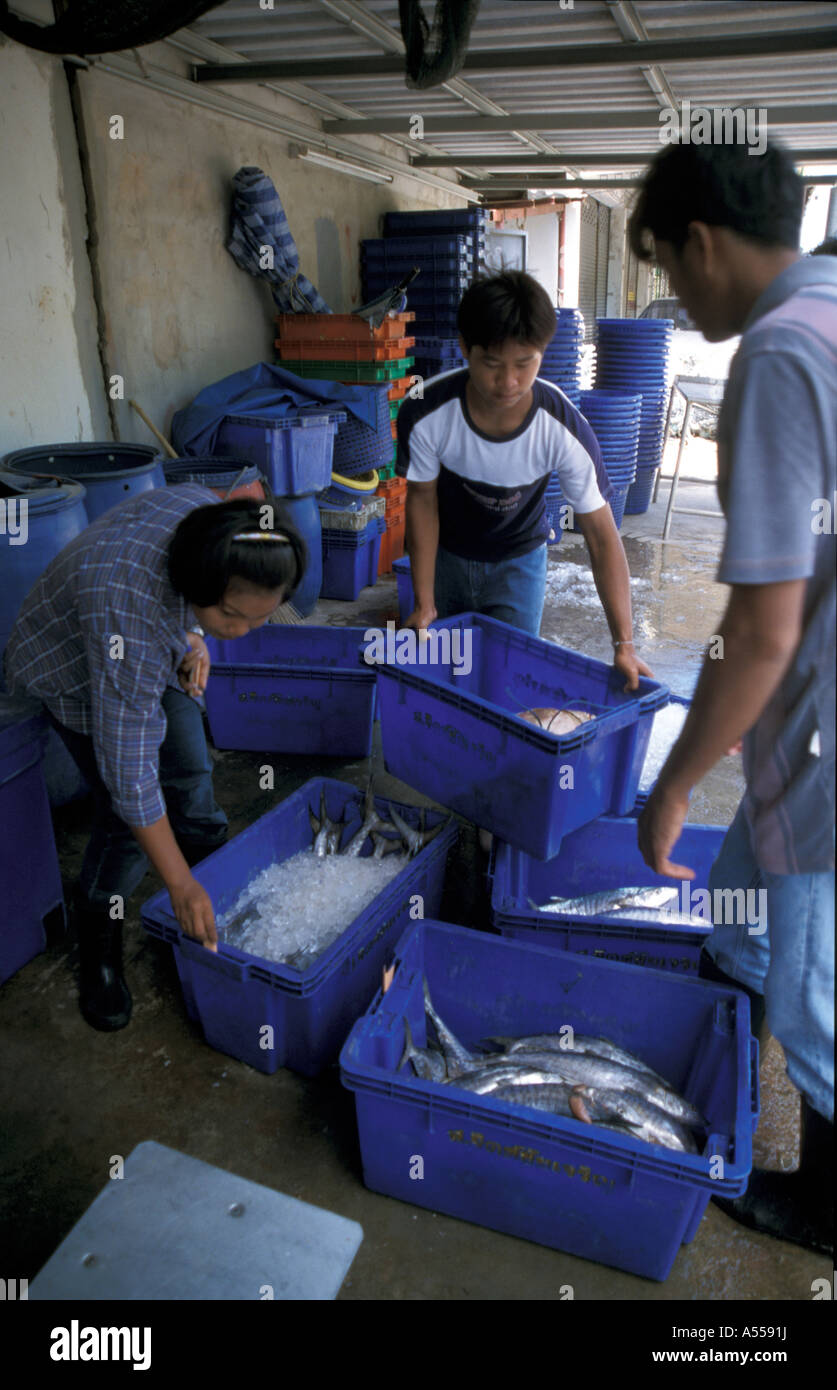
(358, 448)
(291, 690)
(604, 1196)
(111, 473)
(599, 856)
(350, 560)
(233, 995)
(457, 738)
(294, 453)
(406, 597)
(30, 879)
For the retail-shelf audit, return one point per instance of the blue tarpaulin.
(267, 391)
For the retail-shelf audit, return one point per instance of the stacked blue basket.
(436, 355)
(562, 360)
(632, 355)
(358, 448)
(615, 420)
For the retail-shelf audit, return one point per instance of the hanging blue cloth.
(259, 222)
(268, 391)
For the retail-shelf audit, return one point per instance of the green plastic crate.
(349, 371)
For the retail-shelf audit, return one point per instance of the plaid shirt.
(111, 582)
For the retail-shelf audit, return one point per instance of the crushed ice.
(292, 912)
(575, 587)
(665, 732)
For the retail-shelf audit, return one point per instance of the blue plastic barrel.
(55, 515)
(305, 515)
(111, 472)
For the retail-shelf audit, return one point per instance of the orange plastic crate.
(395, 492)
(347, 328)
(398, 389)
(340, 351)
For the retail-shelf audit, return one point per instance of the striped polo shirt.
(491, 491)
(777, 455)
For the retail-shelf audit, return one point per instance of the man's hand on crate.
(626, 660)
(421, 618)
(192, 907)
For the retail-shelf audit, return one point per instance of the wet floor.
(70, 1098)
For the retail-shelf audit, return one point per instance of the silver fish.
(646, 1121)
(320, 828)
(581, 1043)
(457, 1058)
(427, 1064)
(384, 846)
(611, 901)
(484, 1081)
(371, 821)
(553, 1097)
(587, 1069)
(415, 840)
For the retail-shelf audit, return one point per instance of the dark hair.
(759, 196)
(511, 306)
(204, 557)
(826, 248)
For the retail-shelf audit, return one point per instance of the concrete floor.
(70, 1097)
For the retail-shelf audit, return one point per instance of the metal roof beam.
(515, 163)
(513, 60)
(628, 119)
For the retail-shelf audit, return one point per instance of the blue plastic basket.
(604, 1196)
(457, 737)
(350, 560)
(212, 472)
(285, 689)
(295, 453)
(235, 996)
(358, 448)
(30, 879)
(639, 495)
(600, 856)
(407, 249)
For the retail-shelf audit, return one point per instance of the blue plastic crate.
(597, 857)
(350, 560)
(294, 453)
(457, 738)
(291, 690)
(233, 996)
(30, 879)
(406, 597)
(358, 448)
(604, 1196)
(407, 248)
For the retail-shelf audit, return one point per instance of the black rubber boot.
(708, 970)
(799, 1206)
(104, 999)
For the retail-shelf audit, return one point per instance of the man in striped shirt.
(725, 224)
(107, 640)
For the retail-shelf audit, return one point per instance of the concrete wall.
(541, 247)
(52, 383)
(572, 253)
(175, 311)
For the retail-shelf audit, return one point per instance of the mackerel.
(458, 1059)
(646, 1121)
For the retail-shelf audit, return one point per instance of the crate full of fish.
(599, 898)
(309, 902)
(525, 738)
(287, 689)
(550, 1098)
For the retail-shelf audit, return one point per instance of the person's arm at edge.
(761, 629)
(613, 583)
(190, 901)
(422, 518)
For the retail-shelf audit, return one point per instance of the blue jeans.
(113, 861)
(791, 963)
(512, 591)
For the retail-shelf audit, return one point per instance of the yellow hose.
(355, 484)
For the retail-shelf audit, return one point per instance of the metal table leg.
(676, 478)
(665, 440)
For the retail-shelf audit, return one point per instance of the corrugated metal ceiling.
(308, 32)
